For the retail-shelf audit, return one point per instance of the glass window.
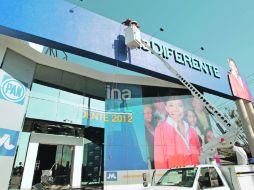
(182, 177)
(70, 98)
(54, 104)
(98, 105)
(69, 113)
(209, 178)
(204, 178)
(44, 92)
(172, 178)
(70, 107)
(41, 109)
(215, 178)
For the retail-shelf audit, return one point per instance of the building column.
(16, 75)
(76, 177)
(28, 174)
(250, 112)
(246, 124)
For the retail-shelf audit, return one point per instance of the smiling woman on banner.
(175, 142)
(238, 85)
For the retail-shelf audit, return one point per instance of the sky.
(224, 28)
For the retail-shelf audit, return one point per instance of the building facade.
(104, 115)
(87, 123)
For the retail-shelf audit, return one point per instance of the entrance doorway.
(54, 161)
(81, 154)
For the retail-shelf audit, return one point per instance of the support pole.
(250, 112)
(246, 124)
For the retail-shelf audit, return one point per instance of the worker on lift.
(132, 34)
(241, 156)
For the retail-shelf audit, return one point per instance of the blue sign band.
(84, 33)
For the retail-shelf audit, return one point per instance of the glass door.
(53, 165)
(63, 163)
(44, 161)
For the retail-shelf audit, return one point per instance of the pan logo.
(111, 176)
(8, 142)
(12, 90)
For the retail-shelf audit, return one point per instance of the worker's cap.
(134, 22)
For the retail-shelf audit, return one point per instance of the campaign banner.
(176, 127)
(125, 143)
(238, 85)
(163, 131)
(101, 118)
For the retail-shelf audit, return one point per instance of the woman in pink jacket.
(175, 142)
(238, 85)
